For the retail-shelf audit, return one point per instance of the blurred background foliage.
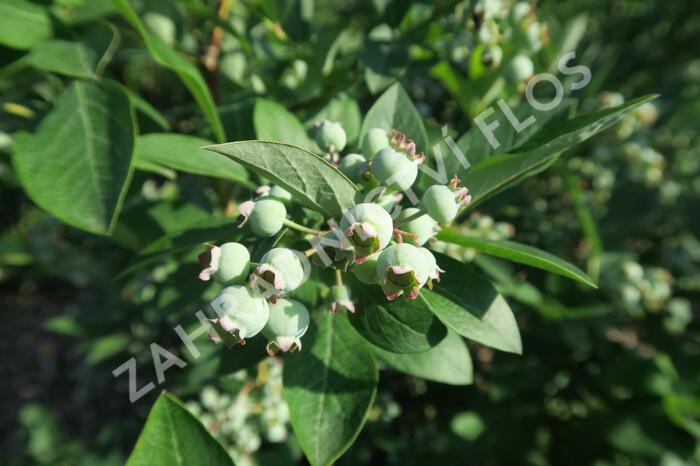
(608, 376)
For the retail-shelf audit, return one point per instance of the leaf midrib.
(90, 149)
(322, 398)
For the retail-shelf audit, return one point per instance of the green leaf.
(172, 436)
(466, 302)
(476, 147)
(23, 24)
(499, 172)
(401, 326)
(212, 229)
(184, 153)
(143, 106)
(77, 164)
(308, 177)
(520, 253)
(329, 387)
(449, 362)
(384, 58)
(82, 59)
(171, 59)
(274, 123)
(394, 110)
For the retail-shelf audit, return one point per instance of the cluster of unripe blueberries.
(378, 248)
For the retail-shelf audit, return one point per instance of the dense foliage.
(287, 232)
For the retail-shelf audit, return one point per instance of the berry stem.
(295, 226)
(338, 277)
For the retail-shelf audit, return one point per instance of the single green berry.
(402, 270)
(242, 312)
(374, 140)
(520, 69)
(420, 229)
(228, 264)
(288, 322)
(280, 271)
(394, 169)
(368, 227)
(493, 56)
(443, 202)
(160, 26)
(331, 137)
(366, 272)
(353, 166)
(265, 216)
(342, 299)
(519, 12)
(532, 36)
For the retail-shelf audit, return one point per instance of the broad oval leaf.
(171, 59)
(520, 253)
(499, 172)
(329, 387)
(23, 24)
(401, 326)
(466, 302)
(185, 153)
(273, 122)
(172, 436)
(82, 59)
(394, 110)
(77, 164)
(449, 362)
(310, 179)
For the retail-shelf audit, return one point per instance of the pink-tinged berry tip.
(413, 294)
(245, 209)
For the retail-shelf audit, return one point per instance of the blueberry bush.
(271, 232)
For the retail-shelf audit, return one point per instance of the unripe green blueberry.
(532, 36)
(342, 299)
(266, 216)
(373, 141)
(423, 228)
(394, 169)
(228, 264)
(242, 312)
(402, 270)
(160, 26)
(353, 166)
(330, 136)
(288, 322)
(368, 227)
(519, 12)
(366, 272)
(280, 271)
(440, 202)
(443, 207)
(493, 56)
(520, 69)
